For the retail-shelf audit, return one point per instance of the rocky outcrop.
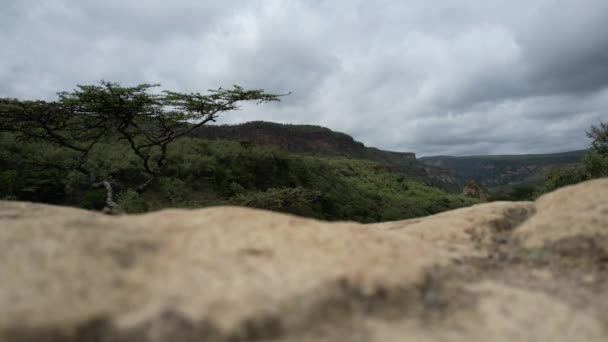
(474, 190)
(301, 139)
(294, 138)
(529, 271)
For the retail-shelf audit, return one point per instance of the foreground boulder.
(520, 271)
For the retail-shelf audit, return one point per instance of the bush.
(206, 173)
(94, 199)
(596, 164)
(173, 189)
(131, 202)
(517, 193)
(43, 186)
(8, 183)
(561, 177)
(297, 201)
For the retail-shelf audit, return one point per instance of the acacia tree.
(594, 163)
(148, 121)
(596, 160)
(599, 136)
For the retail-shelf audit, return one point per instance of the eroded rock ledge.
(498, 272)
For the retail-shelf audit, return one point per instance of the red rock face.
(472, 189)
(299, 139)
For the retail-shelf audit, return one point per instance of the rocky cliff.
(529, 271)
(294, 138)
(300, 139)
(474, 190)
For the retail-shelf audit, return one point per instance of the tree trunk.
(111, 206)
(109, 195)
(140, 189)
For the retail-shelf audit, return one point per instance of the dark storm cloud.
(562, 51)
(435, 77)
(568, 52)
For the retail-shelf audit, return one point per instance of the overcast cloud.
(434, 77)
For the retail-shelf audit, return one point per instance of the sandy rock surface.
(525, 271)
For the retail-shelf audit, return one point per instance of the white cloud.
(434, 77)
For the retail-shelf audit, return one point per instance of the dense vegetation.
(590, 164)
(201, 173)
(314, 141)
(593, 165)
(503, 172)
(149, 122)
(134, 149)
(525, 177)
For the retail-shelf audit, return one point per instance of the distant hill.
(312, 140)
(446, 172)
(498, 171)
(294, 138)
(203, 172)
(300, 139)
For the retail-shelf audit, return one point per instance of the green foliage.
(136, 138)
(594, 165)
(204, 173)
(42, 186)
(561, 177)
(346, 189)
(312, 141)
(94, 199)
(107, 129)
(8, 183)
(599, 135)
(517, 193)
(131, 202)
(500, 171)
(297, 201)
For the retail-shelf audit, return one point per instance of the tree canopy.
(594, 165)
(148, 120)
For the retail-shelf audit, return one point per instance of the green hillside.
(313, 141)
(135, 149)
(201, 173)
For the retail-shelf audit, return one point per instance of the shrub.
(297, 201)
(596, 164)
(94, 199)
(173, 189)
(561, 177)
(8, 183)
(131, 202)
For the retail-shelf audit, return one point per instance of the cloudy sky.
(453, 77)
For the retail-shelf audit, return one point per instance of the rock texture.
(474, 190)
(493, 272)
(300, 139)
